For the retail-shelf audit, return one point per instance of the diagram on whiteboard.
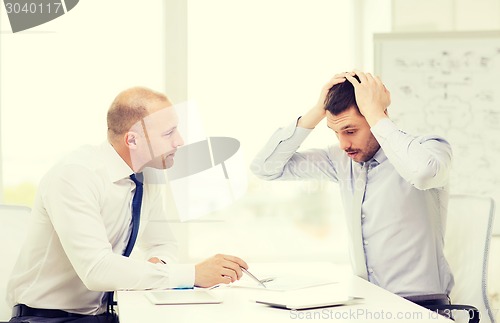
(449, 87)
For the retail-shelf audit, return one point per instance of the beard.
(363, 155)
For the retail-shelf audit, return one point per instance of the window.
(250, 66)
(254, 66)
(58, 80)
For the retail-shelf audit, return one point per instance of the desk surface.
(239, 304)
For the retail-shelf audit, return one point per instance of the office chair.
(13, 222)
(467, 242)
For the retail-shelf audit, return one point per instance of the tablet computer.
(182, 296)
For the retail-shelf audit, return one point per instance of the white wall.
(445, 15)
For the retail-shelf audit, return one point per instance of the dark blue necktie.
(136, 211)
(136, 216)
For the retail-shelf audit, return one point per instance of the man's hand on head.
(372, 96)
(338, 78)
(318, 112)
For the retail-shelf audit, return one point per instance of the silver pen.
(253, 277)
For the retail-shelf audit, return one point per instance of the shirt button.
(363, 216)
(365, 242)
(370, 270)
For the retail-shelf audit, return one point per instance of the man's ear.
(130, 139)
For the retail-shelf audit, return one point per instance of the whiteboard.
(449, 84)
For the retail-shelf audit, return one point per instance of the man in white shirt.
(82, 222)
(394, 186)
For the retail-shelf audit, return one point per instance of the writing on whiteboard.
(450, 87)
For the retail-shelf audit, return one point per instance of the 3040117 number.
(33, 8)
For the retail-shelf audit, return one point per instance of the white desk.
(239, 306)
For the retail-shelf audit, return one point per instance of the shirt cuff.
(181, 275)
(288, 139)
(295, 132)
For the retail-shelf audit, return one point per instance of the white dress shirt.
(403, 212)
(80, 226)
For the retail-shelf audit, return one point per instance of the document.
(182, 296)
(284, 282)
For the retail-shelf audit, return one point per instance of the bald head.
(129, 107)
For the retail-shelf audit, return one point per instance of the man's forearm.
(270, 162)
(311, 119)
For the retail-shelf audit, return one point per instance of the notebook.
(182, 296)
(302, 303)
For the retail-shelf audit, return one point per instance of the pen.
(253, 277)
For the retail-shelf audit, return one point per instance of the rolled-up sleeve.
(279, 159)
(424, 161)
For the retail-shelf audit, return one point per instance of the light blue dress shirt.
(403, 212)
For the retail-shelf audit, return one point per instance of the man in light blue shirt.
(394, 186)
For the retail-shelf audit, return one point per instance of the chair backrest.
(467, 242)
(13, 229)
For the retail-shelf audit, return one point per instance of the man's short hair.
(341, 97)
(129, 107)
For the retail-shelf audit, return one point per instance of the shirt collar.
(376, 160)
(117, 167)
(379, 156)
